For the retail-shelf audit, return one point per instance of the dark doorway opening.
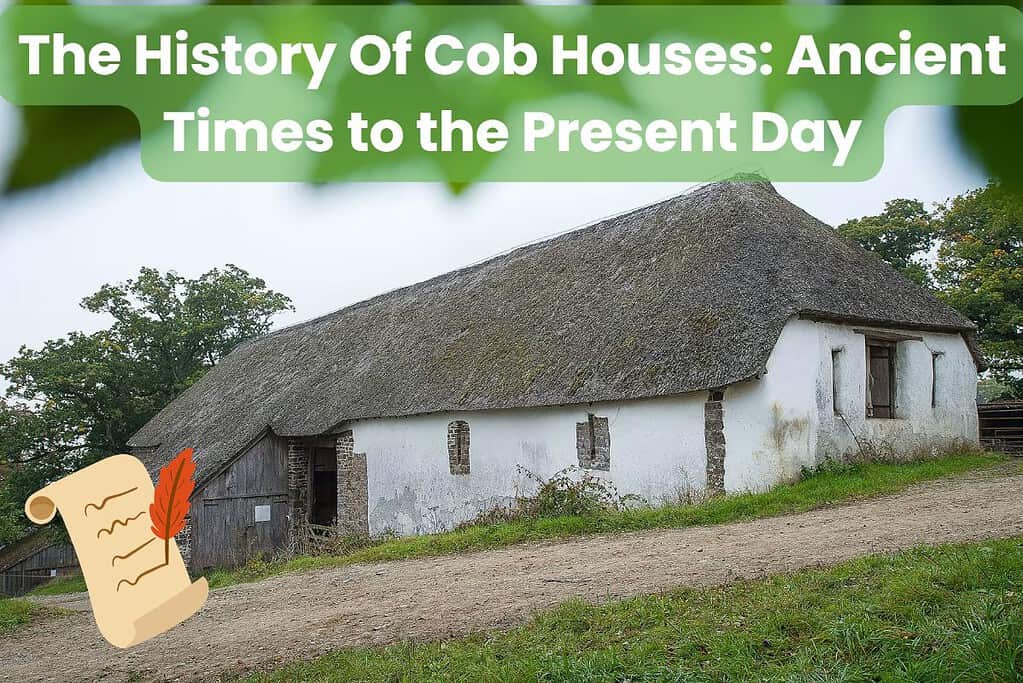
(323, 506)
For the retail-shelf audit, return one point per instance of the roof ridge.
(688, 193)
(679, 295)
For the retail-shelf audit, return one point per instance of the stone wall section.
(352, 488)
(593, 443)
(714, 438)
(458, 447)
(184, 541)
(298, 489)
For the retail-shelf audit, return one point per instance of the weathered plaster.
(656, 449)
(786, 420)
(769, 422)
(917, 425)
(773, 427)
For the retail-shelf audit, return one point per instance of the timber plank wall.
(1001, 426)
(56, 559)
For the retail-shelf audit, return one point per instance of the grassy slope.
(64, 584)
(938, 613)
(822, 488)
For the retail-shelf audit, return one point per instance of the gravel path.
(304, 615)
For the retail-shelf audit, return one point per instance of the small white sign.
(262, 513)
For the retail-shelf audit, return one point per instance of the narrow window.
(458, 447)
(593, 443)
(880, 378)
(934, 379)
(835, 379)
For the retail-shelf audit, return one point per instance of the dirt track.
(304, 615)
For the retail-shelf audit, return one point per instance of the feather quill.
(170, 499)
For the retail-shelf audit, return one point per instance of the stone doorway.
(327, 485)
(323, 486)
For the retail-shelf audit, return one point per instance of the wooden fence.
(1001, 426)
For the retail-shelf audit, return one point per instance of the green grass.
(63, 584)
(948, 613)
(832, 485)
(15, 613)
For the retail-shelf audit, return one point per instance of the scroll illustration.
(123, 532)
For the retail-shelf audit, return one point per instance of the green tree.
(79, 398)
(978, 267)
(902, 235)
(175, 329)
(33, 451)
(979, 271)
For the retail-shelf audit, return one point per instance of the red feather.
(170, 500)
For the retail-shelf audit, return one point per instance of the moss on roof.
(683, 295)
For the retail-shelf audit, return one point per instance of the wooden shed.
(33, 561)
(239, 509)
(242, 511)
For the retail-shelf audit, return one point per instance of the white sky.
(329, 247)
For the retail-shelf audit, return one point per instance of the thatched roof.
(25, 547)
(686, 294)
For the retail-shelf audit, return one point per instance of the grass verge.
(61, 585)
(828, 486)
(15, 613)
(932, 614)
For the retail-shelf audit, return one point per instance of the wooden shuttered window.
(880, 378)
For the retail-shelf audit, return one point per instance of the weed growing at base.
(832, 484)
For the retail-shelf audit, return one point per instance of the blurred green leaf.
(54, 141)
